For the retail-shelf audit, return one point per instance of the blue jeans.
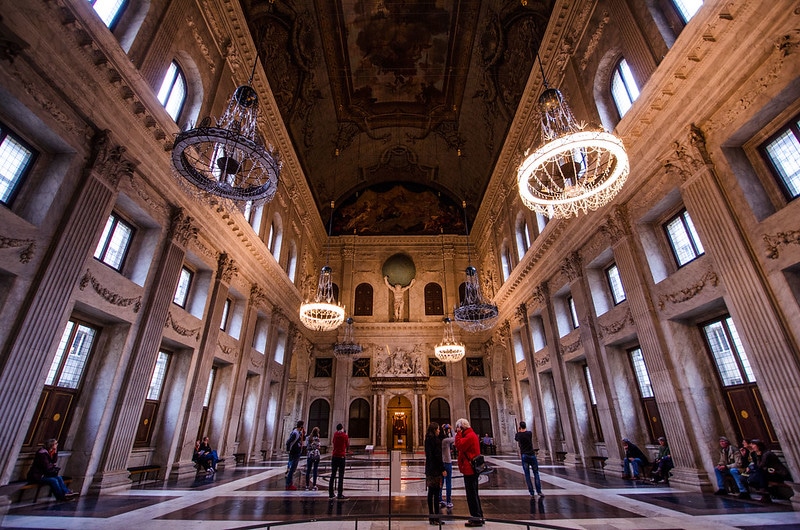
(734, 472)
(57, 486)
(530, 463)
(293, 461)
(627, 464)
(448, 482)
(312, 465)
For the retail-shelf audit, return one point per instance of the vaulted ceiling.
(397, 88)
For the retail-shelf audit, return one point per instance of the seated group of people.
(752, 467)
(204, 457)
(487, 445)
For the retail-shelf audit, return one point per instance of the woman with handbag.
(434, 469)
(469, 447)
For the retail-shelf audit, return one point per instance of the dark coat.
(44, 465)
(434, 464)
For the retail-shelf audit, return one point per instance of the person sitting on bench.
(45, 471)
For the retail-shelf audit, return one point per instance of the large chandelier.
(323, 313)
(576, 169)
(227, 159)
(449, 350)
(348, 348)
(474, 313)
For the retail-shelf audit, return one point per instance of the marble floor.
(253, 496)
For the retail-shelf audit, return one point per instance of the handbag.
(479, 465)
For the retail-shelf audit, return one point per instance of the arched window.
(172, 93)
(440, 411)
(109, 11)
(358, 424)
(505, 259)
(291, 265)
(275, 237)
(363, 301)
(480, 417)
(623, 87)
(335, 289)
(523, 236)
(687, 8)
(433, 299)
(318, 416)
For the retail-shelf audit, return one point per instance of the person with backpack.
(312, 459)
(294, 446)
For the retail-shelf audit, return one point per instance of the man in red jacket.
(469, 447)
(341, 442)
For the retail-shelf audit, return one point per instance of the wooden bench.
(22, 486)
(142, 472)
(239, 458)
(599, 463)
(561, 456)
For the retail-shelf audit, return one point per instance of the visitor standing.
(341, 443)
(447, 459)
(468, 447)
(295, 446)
(312, 459)
(434, 469)
(524, 438)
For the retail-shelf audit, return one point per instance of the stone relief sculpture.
(400, 362)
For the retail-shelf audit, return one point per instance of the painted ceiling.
(380, 97)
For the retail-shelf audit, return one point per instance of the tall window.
(60, 393)
(737, 380)
(16, 157)
(593, 402)
(109, 10)
(182, 290)
(523, 237)
(114, 242)
(319, 416)
(687, 8)
(358, 422)
(433, 299)
(623, 87)
(172, 93)
(573, 313)
(226, 314)
(683, 238)
(519, 350)
(144, 433)
(646, 395)
(505, 261)
(782, 152)
(280, 346)
(201, 430)
(291, 263)
(615, 284)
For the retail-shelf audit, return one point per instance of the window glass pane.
(14, 160)
(107, 10)
(77, 356)
(209, 387)
(173, 90)
(182, 291)
(118, 245)
(737, 343)
(693, 233)
(723, 354)
(784, 153)
(226, 309)
(688, 8)
(615, 283)
(589, 384)
(159, 373)
(573, 313)
(623, 87)
(280, 347)
(640, 370)
(681, 243)
(519, 352)
(62, 347)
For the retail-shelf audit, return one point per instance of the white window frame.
(615, 284)
(109, 11)
(185, 280)
(115, 242)
(16, 159)
(683, 238)
(624, 90)
(173, 91)
(782, 153)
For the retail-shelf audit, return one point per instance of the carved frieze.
(773, 242)
(566, 349)
(686, 158)
(615, 327)
(226, 268)
(572, 266)
(617, 224)
(521, 313)
(109, 159)
(28, 246)
(710, 278)
(541, 360)
(180, 330)
(594, 40)
(108, 295)
(540, 293)
(181, 228)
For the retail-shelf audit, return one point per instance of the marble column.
(39, 326)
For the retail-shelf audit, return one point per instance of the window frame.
(151, 405)
(610, 282)
(115, 219)
(691, 235)
(177, 76)
(587, 378)
(111, 23)
(16, 184)
(226, 314)
(623, 72)
(792, 126)
(572, 311)
(188, 290)
(655, 426)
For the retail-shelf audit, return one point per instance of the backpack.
(291, 441)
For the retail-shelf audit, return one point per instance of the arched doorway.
(400, 424)
(480, 417)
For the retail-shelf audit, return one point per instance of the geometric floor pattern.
(252, 497)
